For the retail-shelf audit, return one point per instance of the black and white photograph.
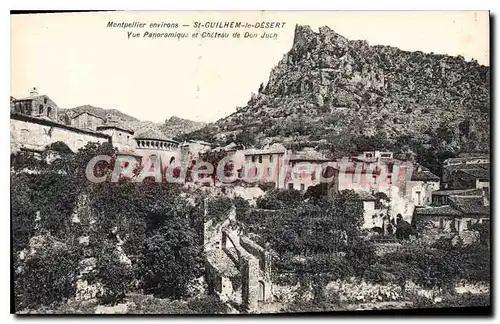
(250, 162)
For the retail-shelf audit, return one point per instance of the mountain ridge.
(327, 88)
(172, 127)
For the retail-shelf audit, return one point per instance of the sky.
(76, 60)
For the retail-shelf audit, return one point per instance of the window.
(49, 111)
(45, 100)
(128, 138)
(368, 155)
(271, 158)
(419, 202)
(269, 172)
(40, 109)
(260, 158)
(253, 158)
(290, 186)
(262, 291)
(302, 187)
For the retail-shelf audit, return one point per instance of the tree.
(114, 275)
(48, 276)
(170, 259)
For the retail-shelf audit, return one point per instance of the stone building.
(269, 161)
(374, 213)
(151, 142)
(121, 136)
(35, 105)
(238, 271)
(454, 178)
(305, 169)
(422, 184)
(28, 133)
(34, 124)
(86, 120)
(458, 211)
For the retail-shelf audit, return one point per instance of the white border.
(193, 5)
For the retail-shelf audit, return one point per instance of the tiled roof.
(469, 205)
(117, 126)
(273, 149)
(308, 155)
(421, 173)
(464, 159)
(458, 192)
(478, 173)
(86, 112)
(437, 211)
(154, 135)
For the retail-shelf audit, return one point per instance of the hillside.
(102, 112)
(172, 127)
(175, 126)
(331, 92)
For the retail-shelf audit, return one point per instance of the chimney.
(33, 92)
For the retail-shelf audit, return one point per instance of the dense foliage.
(53, 197)
(48, 276)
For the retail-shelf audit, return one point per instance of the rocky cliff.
(327, 86)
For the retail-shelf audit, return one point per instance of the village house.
(305, 169)
(121, 136)
(422, 184)
(458, 173)
(268, 160)
(478, 178)
(86, 120)
(35, 105)
(454, 211)
(374, 212)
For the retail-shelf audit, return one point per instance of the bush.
(208, 305)
(266, 186)
(170, 260)
(218, 208)
(242, 206)
(48, 276)
(114, 275)
(280, 199)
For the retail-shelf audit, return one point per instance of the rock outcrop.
(328, 85)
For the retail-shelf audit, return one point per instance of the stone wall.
(35, 134)
(355, 290)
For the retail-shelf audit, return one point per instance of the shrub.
(170, 259)
(242, 206)
(208, 305)
(48, 276)
(266, 186)
(114, 275)
(219, 208)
